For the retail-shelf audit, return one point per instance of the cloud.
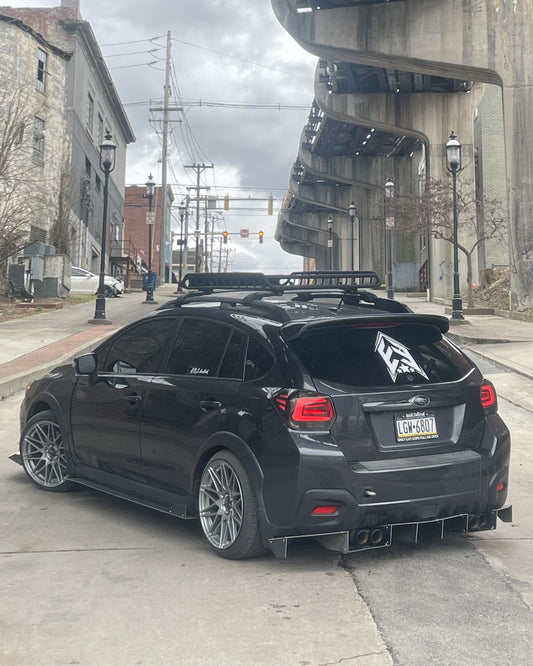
(223, 51)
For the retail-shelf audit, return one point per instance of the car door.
(82, 281)
(193, 399)
(106, 413)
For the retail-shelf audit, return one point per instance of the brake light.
(306, 411)
(312, 409)
(325, 510)
(489, 401)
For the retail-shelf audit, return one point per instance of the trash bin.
(146, 284)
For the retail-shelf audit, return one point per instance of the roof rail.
(296, 281)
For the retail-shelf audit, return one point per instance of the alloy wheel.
(43, 454)
(221, 504)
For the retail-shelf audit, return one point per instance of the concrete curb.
(20, 380)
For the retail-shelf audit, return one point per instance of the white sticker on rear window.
(398, 359)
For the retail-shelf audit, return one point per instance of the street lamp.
(107, 164)
(453, 164)
(352, 210)
(330, 242)
(182, 208)
(389, 226)
(150, 218)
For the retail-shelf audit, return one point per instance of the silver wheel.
(228, 508)
(221, 504)
(43, 453)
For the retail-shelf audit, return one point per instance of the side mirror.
(86, 364)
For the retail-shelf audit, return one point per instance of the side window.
(138, 349)
(232, 366)
(200, 348)
(258, 361)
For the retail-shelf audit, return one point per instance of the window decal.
(397, 357)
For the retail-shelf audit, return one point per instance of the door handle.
(209, 404)
(133, 398)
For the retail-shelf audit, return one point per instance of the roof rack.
(296, 281)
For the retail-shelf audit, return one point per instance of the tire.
(109, 292)
(43, 454)
(228, 509)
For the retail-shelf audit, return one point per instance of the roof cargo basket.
(343, 280)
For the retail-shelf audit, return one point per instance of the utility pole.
(199, 169)
(164, 159)
(166, 109)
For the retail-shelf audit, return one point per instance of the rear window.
(368, 355)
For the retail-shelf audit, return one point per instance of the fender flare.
(51, 403)
(231, 442)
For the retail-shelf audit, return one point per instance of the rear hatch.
(399, 388)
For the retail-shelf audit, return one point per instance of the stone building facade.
(82, 106)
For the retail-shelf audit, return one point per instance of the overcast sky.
(223, 52)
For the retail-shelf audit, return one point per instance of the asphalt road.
(89, 579)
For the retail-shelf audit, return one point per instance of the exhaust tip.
(377, 537)
(483, 521)
(473, 523)
(362, 538)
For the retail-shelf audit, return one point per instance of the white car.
(85, 282)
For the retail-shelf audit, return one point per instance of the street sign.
(245, 233)
(150, 218)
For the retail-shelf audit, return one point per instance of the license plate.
(415, 426)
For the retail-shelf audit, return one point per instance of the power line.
(249, 62)
(137, 41)
(272, 106)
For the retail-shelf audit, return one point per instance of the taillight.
(306, 411)
(489, 401)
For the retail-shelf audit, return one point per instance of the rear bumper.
(390, 491)
(381, 536)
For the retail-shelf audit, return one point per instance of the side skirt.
(176, 509)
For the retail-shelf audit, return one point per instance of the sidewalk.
(33, 345)
(506, 342)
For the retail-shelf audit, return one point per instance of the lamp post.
(107, 164)
(182, 208)
(150, 218)
(352, 210)
(330, 242)
(389, 226)
(453, 164)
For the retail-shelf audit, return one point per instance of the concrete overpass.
(405, 73)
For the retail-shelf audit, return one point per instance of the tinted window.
(397, 355)
(233, 361)
(258, 361)
(140, 347)
(201, 347)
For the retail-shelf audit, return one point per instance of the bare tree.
(60, 231)
(24, 196)
(432, 213)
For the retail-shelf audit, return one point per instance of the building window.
(98, 185)
(38, 139)
(90, 112)
(100, 129)
(42, 58)
(88, 166)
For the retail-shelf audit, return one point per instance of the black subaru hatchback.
(278, 407)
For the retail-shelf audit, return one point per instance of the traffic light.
(225, 237)
(261, 234)
(270, 204)
(226, 202)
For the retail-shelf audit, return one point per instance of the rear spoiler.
(293, 330)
